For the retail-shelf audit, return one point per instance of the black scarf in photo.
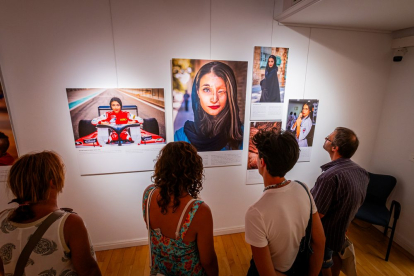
(203, 143)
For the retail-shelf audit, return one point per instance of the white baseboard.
(228, 230)
(120, 244)
(399, 239)
(144, 241)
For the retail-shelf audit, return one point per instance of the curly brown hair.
(179, 170)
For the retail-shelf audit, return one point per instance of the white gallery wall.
(394, 145)
(47, 46)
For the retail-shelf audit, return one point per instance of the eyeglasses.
(327, 139)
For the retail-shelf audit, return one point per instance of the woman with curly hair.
(180, 225)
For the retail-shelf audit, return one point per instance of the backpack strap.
(34, 239)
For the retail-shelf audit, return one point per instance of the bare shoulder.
(149, 187)
(74, 223)
(203, 213)
(204, 208)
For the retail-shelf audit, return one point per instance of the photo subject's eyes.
(207, 90)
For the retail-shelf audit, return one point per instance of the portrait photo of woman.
(304, 126)
(269, 74)
(270, 84)
(215, 123)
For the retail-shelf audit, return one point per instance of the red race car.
(123, 128)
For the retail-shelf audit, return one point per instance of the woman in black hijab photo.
(270, 84)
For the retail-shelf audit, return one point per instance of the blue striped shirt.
(338, 193)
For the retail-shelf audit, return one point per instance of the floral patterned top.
(50, 257)
(174, 256)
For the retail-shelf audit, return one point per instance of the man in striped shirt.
(339, 192)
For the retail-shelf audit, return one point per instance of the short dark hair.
(280, 150)
(346, 141)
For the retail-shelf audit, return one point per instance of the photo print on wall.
(253, 176)
(114, 126)
(208, 108)
(301, 121)
(8, 149)
(269, 82)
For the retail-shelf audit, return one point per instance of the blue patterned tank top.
(174, 256)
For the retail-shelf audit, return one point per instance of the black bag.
(301, 265)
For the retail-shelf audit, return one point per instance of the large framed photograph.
(116, 129)
(209, 99)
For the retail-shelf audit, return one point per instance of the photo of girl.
(270, 84)
(119, 117)
(217, 97)
(269, 74)
(117, 130)
(304, 126)
(110, 117)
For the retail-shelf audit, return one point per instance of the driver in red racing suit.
(118, 117)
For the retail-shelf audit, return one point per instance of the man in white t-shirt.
(276, 223)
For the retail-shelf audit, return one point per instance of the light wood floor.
(234, 255)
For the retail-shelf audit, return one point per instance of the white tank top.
(51, 256)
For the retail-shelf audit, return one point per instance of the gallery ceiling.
(378, 15)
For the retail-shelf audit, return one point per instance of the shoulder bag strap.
(34, 239)
(309, 227)
(148, 225)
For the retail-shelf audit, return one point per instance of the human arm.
(205, 241)
(318, 245)
(101, 120)
(298, 122)
(76, 237)
(263, 262)
(255, 235)
(132, 119)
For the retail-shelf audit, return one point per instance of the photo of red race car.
(118, 125)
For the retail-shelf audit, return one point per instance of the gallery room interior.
(338, 54)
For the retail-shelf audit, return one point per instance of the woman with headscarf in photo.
(216, 125)
(270, 84)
